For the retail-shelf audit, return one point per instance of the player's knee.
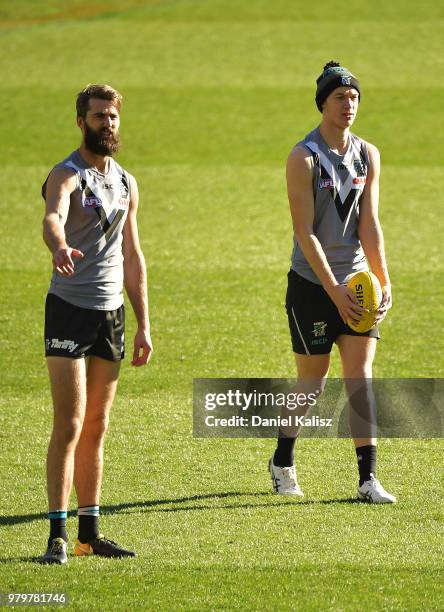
(96, 428)
(358, 372)
(309, 386)
(67, 431)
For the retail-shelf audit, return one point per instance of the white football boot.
(284, 480)
(373, 492)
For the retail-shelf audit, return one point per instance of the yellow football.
(368, 294)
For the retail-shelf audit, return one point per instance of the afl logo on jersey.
(89, 198)
(92, 202)
(359, 180)
(326, 183)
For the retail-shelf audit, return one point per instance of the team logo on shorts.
(319, 328)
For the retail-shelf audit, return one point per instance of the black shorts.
(314, 319)
(71, 331)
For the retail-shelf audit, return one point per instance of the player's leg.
(102, 378)
(68, 388)
(312, 371)
(357, 355)
(312, 320)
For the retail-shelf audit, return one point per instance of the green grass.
(216, 93)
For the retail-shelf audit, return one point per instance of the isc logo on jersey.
(326, 183)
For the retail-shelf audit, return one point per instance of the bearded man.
(90, 227)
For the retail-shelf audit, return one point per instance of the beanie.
(330, 79)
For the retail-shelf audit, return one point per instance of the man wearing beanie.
(333, 188)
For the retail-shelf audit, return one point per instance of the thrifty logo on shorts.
(55, 343)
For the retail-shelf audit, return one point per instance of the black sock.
(284, 453)
(57, 525)
(88, 523)
(366, 462)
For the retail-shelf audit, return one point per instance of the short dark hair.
(103, 92)
(331, 64)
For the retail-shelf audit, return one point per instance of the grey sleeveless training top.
(338, 183)
(97, 213)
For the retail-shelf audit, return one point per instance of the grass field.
(216, 93)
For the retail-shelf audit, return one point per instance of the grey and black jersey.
(338, 184)
(97, 212)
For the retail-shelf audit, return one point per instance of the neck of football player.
(100, 162)
(336, 136)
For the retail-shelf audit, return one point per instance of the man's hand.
(143, 348)
(63, 260)
(345, 301)
(385, 305)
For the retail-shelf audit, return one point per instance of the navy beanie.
(330, 79)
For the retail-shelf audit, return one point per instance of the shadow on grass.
(8, 560)
(182, 504)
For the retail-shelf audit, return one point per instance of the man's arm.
(60, 184)
(300, 195)
(370, 231)
(134, 270)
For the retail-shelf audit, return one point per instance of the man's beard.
(101, 143)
